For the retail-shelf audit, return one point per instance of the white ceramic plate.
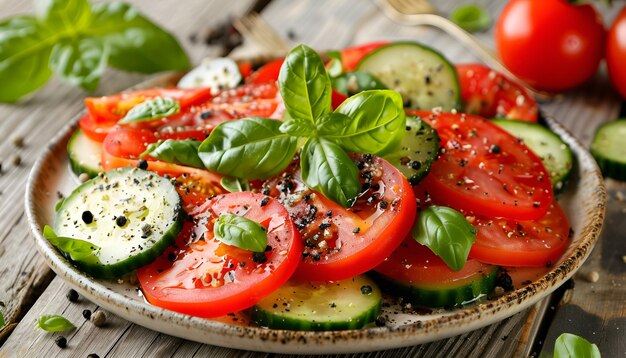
(583, 201)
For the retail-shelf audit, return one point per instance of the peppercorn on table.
(594, 308)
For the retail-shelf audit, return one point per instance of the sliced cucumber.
(351, 83)
(423, 77)
(84, 154)
(553, 151)
(609, 150)
(149, 205)
(442, 295)
(417, 152)
(218, 73)
(347, 304)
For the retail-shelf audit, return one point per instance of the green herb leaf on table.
(327, 168)
(155, 108)
(241, 232)
(304, 84)
(376, 123)
(445, 232)
(572, 346)
(2, 323)
(251, 148)
(80, 62)
(184, 152)
(352, 83)
(65, 15)
(336, 65)
(234, 185)
(54, 323)
(471, 17)
(78, 250)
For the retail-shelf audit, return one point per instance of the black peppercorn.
(93, 355)
(380, 321)
(87, 217)
(121, 220)
(366, 290)
(61, 341)
(72, 295)
(142, 164)
(86, 314)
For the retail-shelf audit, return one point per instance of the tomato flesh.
(482, 169)
(616, 53)
(351, 56)
(204, 277)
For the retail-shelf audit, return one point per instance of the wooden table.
(28, 289)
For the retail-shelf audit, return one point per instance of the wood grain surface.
(28, 289)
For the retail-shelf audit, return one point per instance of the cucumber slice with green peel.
(423, 76)
(609, 150)
(351, 83)
(555, 154)
(417, 152)
(340, 305)
(84, 154)
(454, 294)
(130, 215)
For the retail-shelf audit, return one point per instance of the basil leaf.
(471, 17)
(328, 169)
(155, 108)
(375, 126)
(297, 127)
(250, 148)
(80, 61)
(572, 346)
(25, 47)
(304, 84)
(234, 185)
(54, 323)
(184, 152)
(241, 232)
(352, 83)
(2, 323)
(136, 43)
(64, 15)
(445, 232)
(77, 250)
(335, 67)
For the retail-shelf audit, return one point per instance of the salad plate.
(583, 201)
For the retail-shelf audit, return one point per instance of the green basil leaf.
(329, 170)
(297, 127)
(572, 346)
(184, 152)
(445, 232)
(335, 67)
(80, 61)
(2, 323)
(155, 108)
(352, 83)
(241, 232)
(77, 250)
(471, 17)
(304, 84)
(376, 124)
(25, 47)
(234, 185)
(136, 43)
(64, 15)
(250, 148)
(54, 323)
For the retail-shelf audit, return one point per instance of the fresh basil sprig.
(572, 346)
(371, 122)
(241, 232)
(154, 108)
(78, 250)
(54, 323)
(184, 152)
(76, 41)
(445, 232)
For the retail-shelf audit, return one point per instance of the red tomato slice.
(351, 56)
(522, 243)
(128, 142)
(484, 170)
(267, 73)
(94, 130)
(490, 94)
(416, 265)
(203, 277)
(113, 108)
(341, 243)
(337, 98)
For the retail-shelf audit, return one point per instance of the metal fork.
(252, 26)
(421, 12)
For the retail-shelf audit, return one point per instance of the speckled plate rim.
(589, 184)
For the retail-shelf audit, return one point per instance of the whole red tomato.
(616, 53)
(551, 44)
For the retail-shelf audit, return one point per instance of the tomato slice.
(341, 243)
(204, 277)
(267, 73)
(113, 108)
(416, 265)
(490, 94)
(522, 243)
(94, 130)
(484, 170)
(351, 56)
